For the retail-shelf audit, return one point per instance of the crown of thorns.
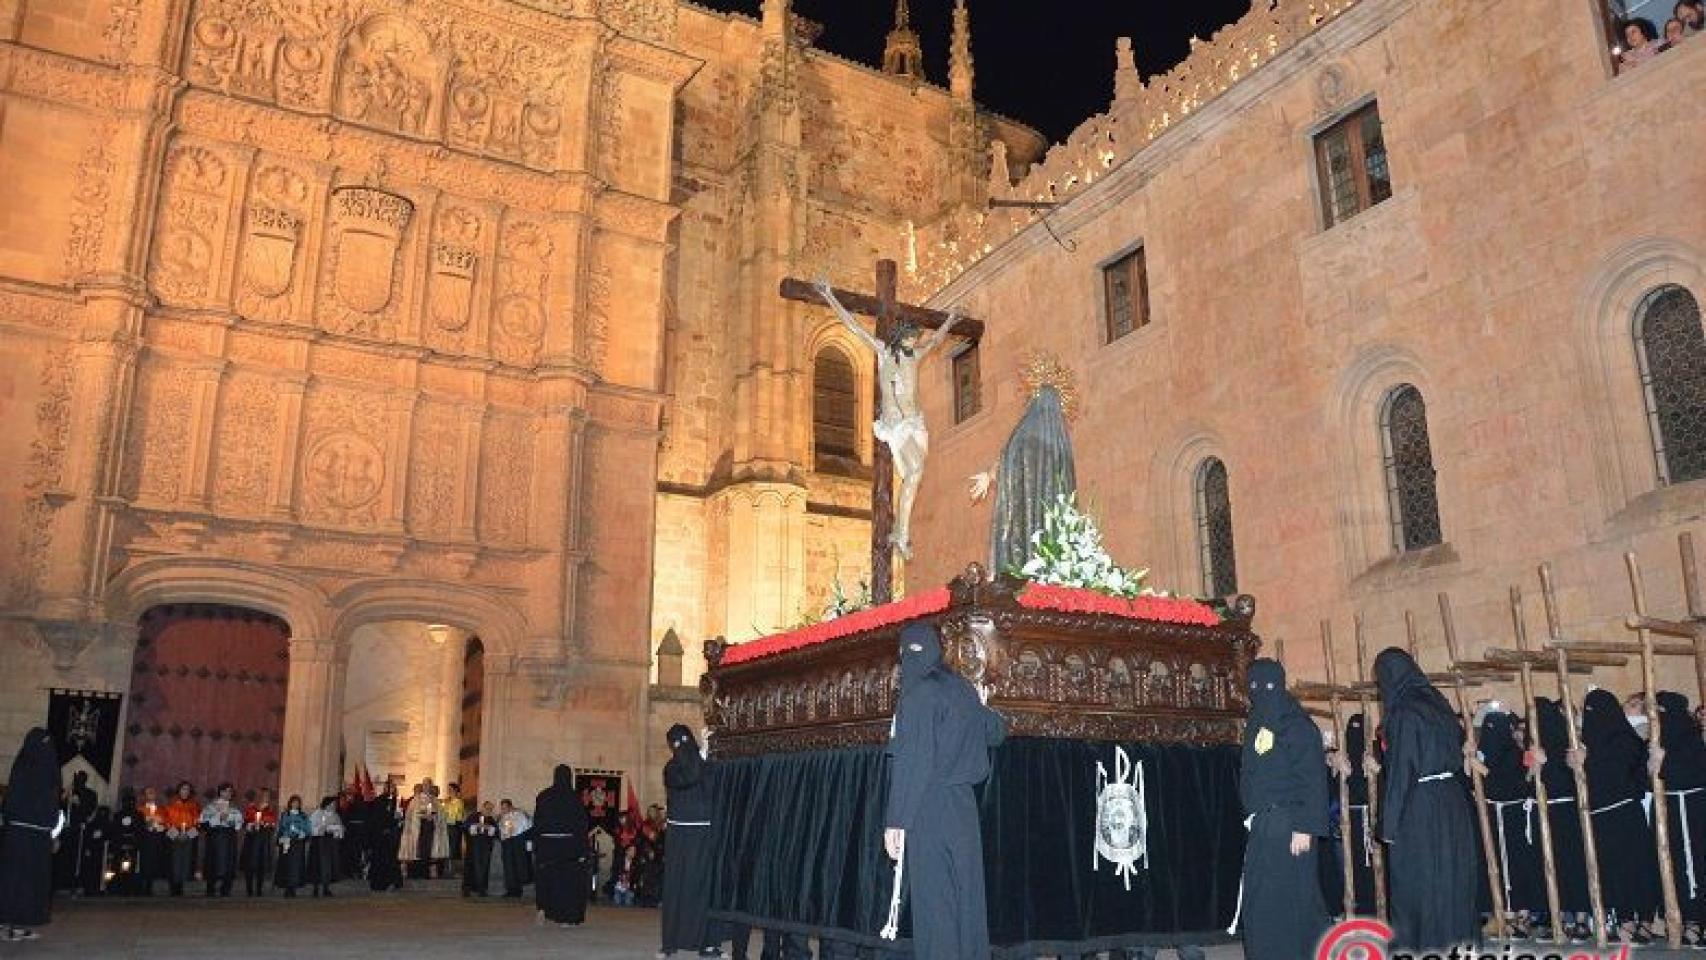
(901, 330)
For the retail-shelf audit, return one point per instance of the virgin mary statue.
(1035, 470)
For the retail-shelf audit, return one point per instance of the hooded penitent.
(559, 850)
(31, 811)
(1506, 777)
(1617, 756)
(1685, 752)
(1036, 469)
(1426, 817)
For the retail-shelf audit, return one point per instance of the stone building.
(384, 381)
(1364, 302)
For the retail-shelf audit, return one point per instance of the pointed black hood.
(920, 654)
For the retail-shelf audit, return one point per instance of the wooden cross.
(887, 310)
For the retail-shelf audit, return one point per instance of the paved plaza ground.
(416, 925)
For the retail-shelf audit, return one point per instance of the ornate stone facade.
(369, 311)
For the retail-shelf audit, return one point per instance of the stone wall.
(1537, 199)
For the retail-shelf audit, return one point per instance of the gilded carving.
(389, 76)
(193, 202)
(368, 227)
(523, 275)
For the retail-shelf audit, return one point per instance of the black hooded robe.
(1685, 794)
(31, 811)
(1510, 801)
(1568, 854)
(482, 829)
(1427, 818)
(384, 872)
(689, 867)
(942, 737)
(559, 850)
(1617, 782)
(1362, 830)
(1283, 783)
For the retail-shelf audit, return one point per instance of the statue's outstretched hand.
(980, 484)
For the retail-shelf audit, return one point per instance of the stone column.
(450, 682)
(495, 706)
(311, 719)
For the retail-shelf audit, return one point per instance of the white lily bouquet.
(1068, 552)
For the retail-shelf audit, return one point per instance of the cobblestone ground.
(419, 925)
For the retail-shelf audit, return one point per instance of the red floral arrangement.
(1034, 596)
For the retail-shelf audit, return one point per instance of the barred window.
(1125, 284)
(835, 408)
(1670, 346)
(1350, 159)
(968, 392)
(1214, 530)
(1411, 497)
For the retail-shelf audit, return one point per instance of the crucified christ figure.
(899, 424)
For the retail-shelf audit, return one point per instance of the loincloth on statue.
(893, 430)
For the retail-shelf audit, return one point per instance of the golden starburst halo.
(1043, 369)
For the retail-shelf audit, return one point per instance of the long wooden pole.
(1548, 858)
(1661, 805)
(1584, 803)
(1696, 608)
(1346, 865)
(1372, 772)
(1488, 850)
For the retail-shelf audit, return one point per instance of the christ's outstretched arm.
(938, 335)
(828, 294)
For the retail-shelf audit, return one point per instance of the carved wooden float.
(1058, 663)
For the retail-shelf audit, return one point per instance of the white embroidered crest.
(1122, 821)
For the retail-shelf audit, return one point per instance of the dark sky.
(1049, 64)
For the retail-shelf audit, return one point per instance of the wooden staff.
(1494, 881)
(1347, 866)
(1371, 770)
(1584, 807)
(1696, 608)
(1526, 672)
(1661, 805)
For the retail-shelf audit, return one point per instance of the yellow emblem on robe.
(1264, 741)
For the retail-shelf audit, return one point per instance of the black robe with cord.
(687, 870)
(559, 850)
(943, 735)
(1684, 771)
(1427, 818)
(1362, 830)
(1283, 783)
(79, 806)
(1569, 856)
(31, 811)
(1510, 814)
(384, 872)
(97, 842)
(1617, 783)
(477, 853)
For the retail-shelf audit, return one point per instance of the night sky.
(1048, 64)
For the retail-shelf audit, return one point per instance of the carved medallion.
(345, 471)
(369, 227)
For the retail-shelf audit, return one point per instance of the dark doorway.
(473, 689)
(207, 696)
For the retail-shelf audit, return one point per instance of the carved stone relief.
(455, 273)
(368, 227)
(343, 461)
(154, 463)
(244, 443)
(389, 77)
(193, 210)
(272, 238)
(518, 322)
(434, 467)
(506, 478)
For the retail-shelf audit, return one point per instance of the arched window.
(1670, 346)
(1412, 501)
(834, 409)
(1214, 530)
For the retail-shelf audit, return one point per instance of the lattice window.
(1350, 158)
(968, 390)
(1126, 285)
(1670, 346)
(1214, 530)
(835, 409)
(1411, 496)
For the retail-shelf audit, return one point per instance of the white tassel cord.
(891, 930)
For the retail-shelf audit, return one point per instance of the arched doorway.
(403, 694)
(208, 690)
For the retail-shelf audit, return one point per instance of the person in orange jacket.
(182, 817)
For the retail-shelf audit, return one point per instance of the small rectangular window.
(968, 397)
(1126, 285)
(1350, 158)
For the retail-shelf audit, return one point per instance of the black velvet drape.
(799, 846)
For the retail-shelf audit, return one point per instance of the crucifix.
(895, 321)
